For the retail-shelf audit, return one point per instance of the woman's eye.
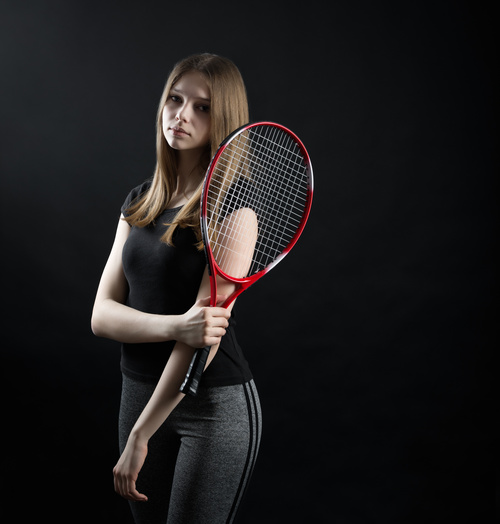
(205, 109)
(175, 98)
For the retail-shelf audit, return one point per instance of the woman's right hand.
(203, 325)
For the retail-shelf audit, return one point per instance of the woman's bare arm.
(111, 318)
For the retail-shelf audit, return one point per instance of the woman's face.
(186, 114)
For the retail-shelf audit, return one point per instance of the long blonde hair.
(228, 111)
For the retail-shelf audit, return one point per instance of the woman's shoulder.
(135, 193)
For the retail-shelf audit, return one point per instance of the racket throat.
(234, 295)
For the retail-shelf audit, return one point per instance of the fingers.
(218, 314)
(125, 486)
(203, 325)
(215, 322)
(133, 494)
(214, 316)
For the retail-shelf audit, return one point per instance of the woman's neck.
(189, 175)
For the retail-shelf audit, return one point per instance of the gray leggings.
(200, 460)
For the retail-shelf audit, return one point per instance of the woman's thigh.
(220, 436)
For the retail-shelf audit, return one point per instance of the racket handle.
(196, 368)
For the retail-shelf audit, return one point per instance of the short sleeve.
(133, 195)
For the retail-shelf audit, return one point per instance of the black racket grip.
(195, 371)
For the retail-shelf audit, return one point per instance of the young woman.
(183, 460)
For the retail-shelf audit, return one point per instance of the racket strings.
(276, 182)
(267, 200)
(274, 187)
(263, 170)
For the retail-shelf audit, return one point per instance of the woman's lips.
(178, 131)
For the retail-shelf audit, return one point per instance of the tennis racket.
(255, 202)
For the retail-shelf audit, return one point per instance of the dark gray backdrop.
(368, 343)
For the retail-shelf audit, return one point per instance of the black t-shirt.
(165, 280)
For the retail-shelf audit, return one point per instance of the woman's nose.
(181, 114)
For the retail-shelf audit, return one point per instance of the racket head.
(258, 190)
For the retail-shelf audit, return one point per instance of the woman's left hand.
(127, 469)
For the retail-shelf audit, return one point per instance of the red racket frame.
(213, 268)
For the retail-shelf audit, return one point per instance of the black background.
(368, 344)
